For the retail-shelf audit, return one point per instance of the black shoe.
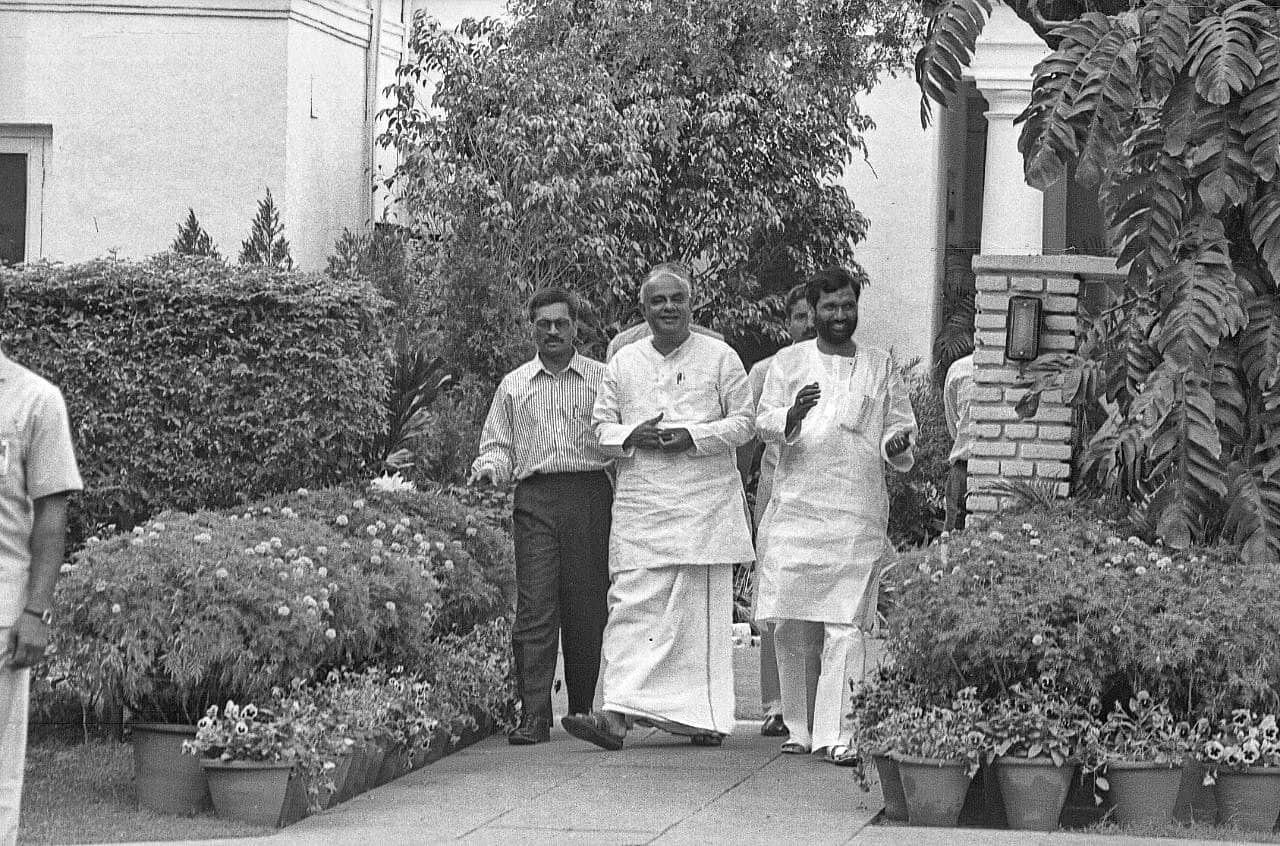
(773, 726)
(530, 731)
(593, 728)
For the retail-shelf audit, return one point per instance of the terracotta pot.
(339, 774)
(250, 791)
(1034, 791)
(895, 802)
(167, 780)
(1195, 800)
(1143, 792)
(395, 762)
(1249, 800)
(934, 789)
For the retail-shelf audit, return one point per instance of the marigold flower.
(266, 509)
(322, 572)
(371, 530)
(284, 611)
(375, 560)
(203, 537)
(1140, 570)
(376, 543)
(1116, 630)
(471, 532)
(139, 531)
(995, 536)
(301, 491)
(115, 608)
(221, 572)
(276, 543)
(1034, 541)
(391, 606)
(341, 520)
(357, 503)
(330, 634)
(1037, 639)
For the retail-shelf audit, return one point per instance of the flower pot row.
(931, 792)
(265, 793)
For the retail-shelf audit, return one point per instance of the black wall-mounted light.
(1022, 329)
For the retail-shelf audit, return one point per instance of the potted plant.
(1036, 738)
(1139, 758)
(249, 754)
(873, 705)
(1242, 762)
(938, 751)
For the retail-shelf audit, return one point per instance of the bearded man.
(837, 411)
(671, 410)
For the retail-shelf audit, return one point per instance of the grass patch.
(83, 793)
(1186, 831)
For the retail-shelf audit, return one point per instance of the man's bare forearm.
(48, 544)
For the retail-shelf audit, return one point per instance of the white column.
(1012, 211)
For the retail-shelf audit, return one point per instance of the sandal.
(711, 739)
(842, 756)
(794, 747)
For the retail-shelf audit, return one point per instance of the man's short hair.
(797, 294)
(828, 281)
(668, 270)
(550, 296)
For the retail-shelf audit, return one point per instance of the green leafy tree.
(586, 140)
(192, 240)
(1172, 110)
(266, 244)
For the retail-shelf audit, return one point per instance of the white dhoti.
(844, 659)
(668, 647)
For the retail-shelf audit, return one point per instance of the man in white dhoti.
(838, 411)
(672, 410)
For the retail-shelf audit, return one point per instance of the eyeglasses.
(561, 325)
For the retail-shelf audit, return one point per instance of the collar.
(575, 364)
(684, 345)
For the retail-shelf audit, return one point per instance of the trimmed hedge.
(192, 384)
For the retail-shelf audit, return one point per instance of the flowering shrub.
(1243, 741)
(191, 609)
(1145, 732)
(1070, 592)
(941, 733)
(244, 734)
(1035, 721)
(916, 506)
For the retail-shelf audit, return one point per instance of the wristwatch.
(45, 616)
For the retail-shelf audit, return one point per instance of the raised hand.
(806, 399)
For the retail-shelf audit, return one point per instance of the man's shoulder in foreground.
(14, 376)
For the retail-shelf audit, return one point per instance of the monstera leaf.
(1264, 227)
(1224, 57)
(1253, 511)
(1186, 456)
(1166, 34)
(1262, 111)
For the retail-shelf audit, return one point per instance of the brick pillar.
(1040, 447)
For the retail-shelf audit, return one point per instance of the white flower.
(1037, 639)
(1140, 570)
(1112, 540)
(92, 539)
(924, 567)
(248, 550)
(404, 521)
(276, 543)
(322, 550)
(221, 572)
(138, 542)
(995, 536)
(1034, 542)
(439, 545)
(115, 608)
(304, 561)
(376, 543)
(394, 483)
(158, 526)
(203, 537)
(1164, 562)
(341, 520)
(266, 510)
(322, 572)
(471, 532)
(391, 606)
(448, 564)
(66, 568)
(330, 634)
(324, 604)
(284, 576)
(309, 601)
(301, 491)
(371, 530)
(284, 611)
(139, 531)
(1116, 630)
(375, 560)
(1134, 540)
(1027, 527)
(418, 537)
(262, 548)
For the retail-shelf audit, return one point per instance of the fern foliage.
(1172, 109)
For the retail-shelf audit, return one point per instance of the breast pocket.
(12, 461)
(694, 396)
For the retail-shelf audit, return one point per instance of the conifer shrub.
(192, 384)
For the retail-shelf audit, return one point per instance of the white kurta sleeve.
(497, 438)
(606, 417)
(771, 411)
(737, 426)
(899, 416)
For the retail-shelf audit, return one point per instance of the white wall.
(901, 189)
(150, 114)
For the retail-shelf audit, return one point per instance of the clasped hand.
(648, 435)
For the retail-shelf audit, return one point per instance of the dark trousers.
(956, 494)
(562, 578)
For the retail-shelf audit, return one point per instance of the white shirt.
(677, 508)
(957, 394)
(824, 529)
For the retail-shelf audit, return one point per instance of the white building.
(117, 115)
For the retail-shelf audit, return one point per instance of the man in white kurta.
(838, 411)
(672, 409)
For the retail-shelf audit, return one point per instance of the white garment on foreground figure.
(679, 524)
(682, 678)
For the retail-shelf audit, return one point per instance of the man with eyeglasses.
(539, 433)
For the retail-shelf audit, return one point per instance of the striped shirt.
(540, 422)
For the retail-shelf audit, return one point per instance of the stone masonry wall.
(1040, 447)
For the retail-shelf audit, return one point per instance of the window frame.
(34, 142)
